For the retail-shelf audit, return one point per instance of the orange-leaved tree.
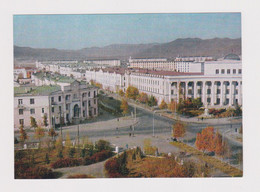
(205, 140)
(132, 92)
(172, 106)
(23, 134)
(219, 147)
(124, 106)
(163, 105)
(39, 133)
(178, 130)
(143, 98)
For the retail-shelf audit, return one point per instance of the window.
(89, 103)
(228, 71)
(52, 109)
(236, 92)
(59, 98)
(20, 111)
(32, 111)
(31, 101)
(227, 91)
(208, 91)
(42, 110)
(83, 103)
(94, 93)
(20, 101)
(218, 101)
(239, 71)
(59, 108)
(234, 71)
(218, 91)
(88, 94)
(208, 100)
(222, 71)
(95, 111)
(74, 96)
(172, 92)
(67, 97)
(199, 91)
(226, 101)
(67, 106)
(217, 71)
(21, 121)
(95, 101)
(52, 99)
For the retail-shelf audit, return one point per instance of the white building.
(67, 103)
(105, 62)
(165, 65)
(219, 84)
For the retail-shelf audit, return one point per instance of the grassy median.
(218, 164)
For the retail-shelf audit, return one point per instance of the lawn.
(218, 164)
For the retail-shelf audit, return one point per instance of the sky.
(81, 31)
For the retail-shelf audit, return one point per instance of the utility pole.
(135, 113)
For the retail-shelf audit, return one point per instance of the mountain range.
(217, 47)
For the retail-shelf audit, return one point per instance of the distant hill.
(217, 47)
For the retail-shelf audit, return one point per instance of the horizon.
(124, 44)
(75, 32)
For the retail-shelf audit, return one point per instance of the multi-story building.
(167, 65)
(219, 84)
(67, 102)
(105, 62)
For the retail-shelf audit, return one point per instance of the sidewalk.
(204, 121)
(184, 119)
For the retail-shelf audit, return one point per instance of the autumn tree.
(132, 92)
(68, 140)
(163, 105)
(143, 98)
(45, 120)
(219, 148)
(152, 101)
(121, 93)
(124, 106)
(23, 134)
(205, 140)
(172, 106)
(33, 122)
(52, 134)
(58, 143)
(148, 148)
(39, 133)
(178, 130)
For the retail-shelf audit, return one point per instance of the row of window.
(32, 111)
(208, 91)
(20, 101)
(223, 71)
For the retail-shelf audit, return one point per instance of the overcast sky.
(79, 31)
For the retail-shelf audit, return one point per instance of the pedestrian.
(126, 146)
(129, 134)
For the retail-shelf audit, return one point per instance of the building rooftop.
(54, 77)
(36, 90)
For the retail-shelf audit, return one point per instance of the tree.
(68, 141)
(102, 145)
(148, 148)
(47, 159)
(205, 140)
(152, 101)
(121, 93)
(39, 133)
(58, 143)
(45, 120)
(219, 149)
(23, 134)
(52, 134)
(163, 105)
(124, 106)
(132, 92)
(178, 130)
(33, 123)
(143, 98)
(172, 106)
